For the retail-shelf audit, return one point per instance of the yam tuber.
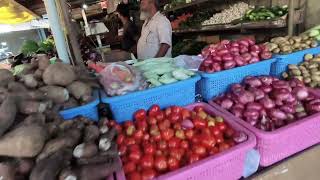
(7, 171)
(6, 76)
(97, 171)
(85, 150)
(35, 118)
(91, 133)
(38, 74)
(24, 166)
(49, 168)
(57, 94)
(30, 107)
(59, 74)
(24, 141)
(8, 111)
(106, 139)
(68, 140)
(30, 81)
(80, 91)
(97, 159)
(16, 87)
(67, 174)
(71, 103)
(43, 61)
(29, 95)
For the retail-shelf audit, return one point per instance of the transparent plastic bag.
(188, 62)
(119, 78)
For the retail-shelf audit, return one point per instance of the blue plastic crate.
(180, 93)
(214, 84)
(89, 110)
(294, 58)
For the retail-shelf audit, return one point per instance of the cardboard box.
(303, 166)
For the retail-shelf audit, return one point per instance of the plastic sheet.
(188, 62)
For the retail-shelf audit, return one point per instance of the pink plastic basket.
(283, 142)
(227, 165)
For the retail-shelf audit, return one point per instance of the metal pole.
(56, 30)
(291, 18)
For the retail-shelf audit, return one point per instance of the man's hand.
(163, 50)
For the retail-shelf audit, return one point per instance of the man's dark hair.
(157, 4)
(123, 10)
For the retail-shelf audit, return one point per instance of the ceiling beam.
(24, 8)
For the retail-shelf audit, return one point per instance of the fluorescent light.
(84, 6)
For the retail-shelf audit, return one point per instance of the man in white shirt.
(156, 34)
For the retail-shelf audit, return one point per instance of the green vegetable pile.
(263, 13)
(30, 47)
(196, 20)
(314, 32)
(160, 71)
(188, 47)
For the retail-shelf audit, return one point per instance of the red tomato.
(112, 123)
(154, 130)
(174, 142)
(222, 126)
(219, 139)
(199, 123)
(167, 112)
(173, 163)
(229, 132)
(129, 167)
(142, 124)
(129, 141)
(193, 158)
(122, 150)
(156, 137)
(223, 147)
(186, 114)
(167, 134)
(135, 176)
(148, 174)
(176, 109)
(160, 116)
(135, 156)
(208, 141)
(146, 137)
(153, 111)
(180, 134)
(127, 124)
(134, 147)
(231, 143)
(147, 161)
(120, 139)
(184, 144)
(215, 130)
(160, 163)
(198, 109)
(199, 149)
(158, 152)
(177, 126)
(140, 114)
(152, 120)
(162, 145)
(176, 153)
(174, 117)
(138, 134)
(206, 131)
(118, 128)
(213, 151)
(196, 139)
(189, 134)
(149, 148)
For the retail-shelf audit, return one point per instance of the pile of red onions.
(229, 54)
(269, 103)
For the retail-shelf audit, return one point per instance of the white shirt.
(155, 31)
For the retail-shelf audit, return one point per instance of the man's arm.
(163, 50)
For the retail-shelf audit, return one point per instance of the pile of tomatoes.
(159, 141)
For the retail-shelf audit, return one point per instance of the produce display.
(268, 103)
(234, 12)
(160, 71)
(180, 19)
(160, 141)
(308, 71)
(286, 45)
(188, 47)
(265, 13)
(175, 3)
(314, 32)
(230, 54)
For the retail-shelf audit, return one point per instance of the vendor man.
(156, 33)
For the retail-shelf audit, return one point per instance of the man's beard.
(144, 15)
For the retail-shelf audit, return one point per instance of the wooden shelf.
(248, 25)
(185, 5)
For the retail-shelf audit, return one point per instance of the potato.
(30, 81)
(25, 166)
(85, 150)
(16, 87)
(8, 111)
(91, 133)
(57, 94)
(7, 171)
(43, 61)
(276, 50)
(38, 74)
(80, 90)
(59, 74)
(30, 107)
(5, 77)
(24, 141)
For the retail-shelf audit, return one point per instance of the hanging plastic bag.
(188, 62)
(119, 78)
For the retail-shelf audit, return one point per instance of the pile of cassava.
(35, 142)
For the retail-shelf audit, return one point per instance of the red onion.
(300, 92)
(254, 106)
(281, 94)
(187, 124)
(251, 41)
(255, 53)
(216, 67)
(287, 109)
(251, 114)
(277, 114)
(266, 80)
(234, 44)
(254, 60)
(296, 83)
(266, 55)
(225, 42)
(258, 93)
(237, 111)
(222, 52)
(254, 48)
(266, 88)
(313, 108)
(281, 85)
(239, 137)
(267, 102)
(239, 60)
(252, 81)
(229, 64)
(227, 57)
(239, 105)
(245, 97)
(217, 58)
(226, 103)
(243, 42)
(252, 122)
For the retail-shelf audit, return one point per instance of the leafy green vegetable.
(29, 47)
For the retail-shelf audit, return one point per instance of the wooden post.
(291, 18)
(69, 27)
